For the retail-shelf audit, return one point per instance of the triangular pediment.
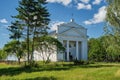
(72, 32)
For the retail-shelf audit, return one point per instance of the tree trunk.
(28, 44)
(19, 61)
(33, 44)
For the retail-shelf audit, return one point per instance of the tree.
(104, 48)
(3, 55)
(11, 48)
(113, 19)
(113, 15)
(47, 45)
(96, 52)
(111, 47)
(113, 27)
(16, 30)
(35, 17)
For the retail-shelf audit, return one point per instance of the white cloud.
(54, 25)
(64, 2)
(96, 2)
(98, 17)
(84, 6)
(85, 1)
(3, 21)
(87, 22)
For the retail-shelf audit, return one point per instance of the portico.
(73, 49)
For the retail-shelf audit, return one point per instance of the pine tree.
(16, 30)
(15, 45)
(35, 16)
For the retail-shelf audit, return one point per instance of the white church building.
(74, 38)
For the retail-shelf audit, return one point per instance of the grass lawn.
(64, 71)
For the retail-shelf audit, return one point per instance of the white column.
(77, 53)
(82, 54)
(63, 52)
(67, 50)
(84, 50)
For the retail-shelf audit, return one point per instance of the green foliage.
(32, 20)
(16, 30)
(113, 15)
(113, 30)
(48, 45)
(112, 47)
(96, 51)
(11, 47)
(50, 41)
(15, 48)
(80, 62)
(3, 55)
(105, 48)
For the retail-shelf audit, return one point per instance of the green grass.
(61, 71)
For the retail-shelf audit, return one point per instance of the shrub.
(82, 62)
(77, 62)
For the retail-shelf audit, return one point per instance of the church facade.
(74, 39)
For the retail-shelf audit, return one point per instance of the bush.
(91, 62)
(82, 62)
(77, 62)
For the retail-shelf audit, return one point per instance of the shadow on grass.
(98, 66)
(42, 78)
(11, 71)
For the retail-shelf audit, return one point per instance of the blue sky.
(88, 13)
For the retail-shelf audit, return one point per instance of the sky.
(88, 13)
